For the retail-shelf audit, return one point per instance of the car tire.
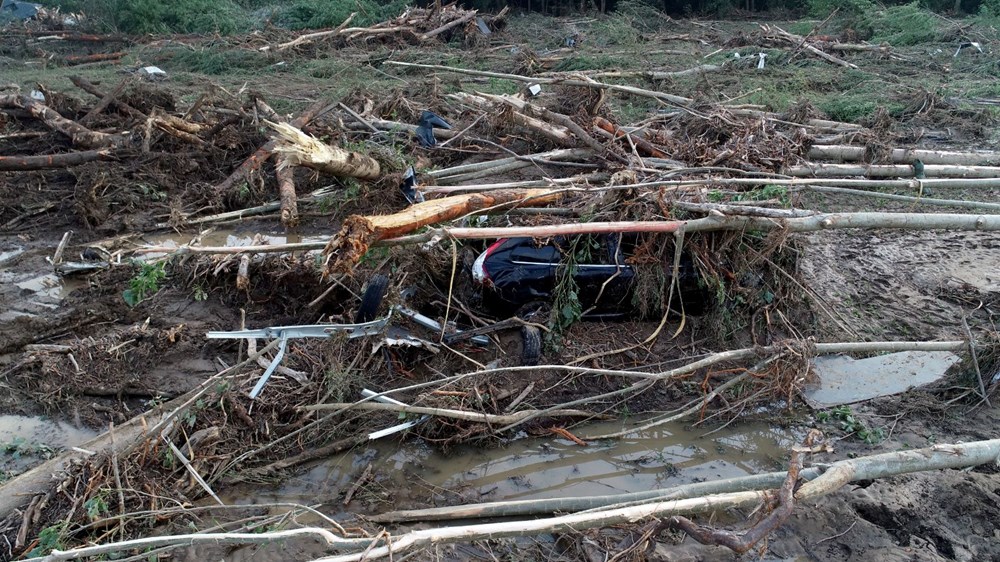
(531, 345)
(372, 299)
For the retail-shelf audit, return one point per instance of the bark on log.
(72, 60)
(78, 134)
(907, 155)
(286, 193)
(358, 233)
(557, 133)
(890, 171)
(300, 149)
(642, 145)
(44, 161)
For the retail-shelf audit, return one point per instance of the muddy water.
(411, 474)
(28, 286)
(25, 441)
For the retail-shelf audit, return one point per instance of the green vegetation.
(49, 539)
(851, 425)
(19, 447)
(145, 283)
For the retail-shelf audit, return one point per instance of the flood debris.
(538, 235)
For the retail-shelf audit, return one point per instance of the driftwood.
(644, 147)
(800, 41)
(358, 233)
(890, 171)
(907, 155)
(299, 149)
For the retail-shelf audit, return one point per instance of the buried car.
(520, 273)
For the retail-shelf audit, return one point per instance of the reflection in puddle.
(51, 285)
(25, 441)
(410, 472)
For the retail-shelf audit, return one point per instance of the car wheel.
(531, 345)
(372, 299)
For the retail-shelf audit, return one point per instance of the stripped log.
(300, 149)
(358, 233)
(46, 161)
(890, 171)
(310, 37)
(78, 134)
(907, 155)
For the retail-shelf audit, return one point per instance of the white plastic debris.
(736, 55)
(535, 89)
(37, 96)
(760, 63)
(153, 72)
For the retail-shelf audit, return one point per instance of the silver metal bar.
(270, 369)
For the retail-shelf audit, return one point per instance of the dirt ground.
(118, 360)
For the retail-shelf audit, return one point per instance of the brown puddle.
(409, 473)
(25, 441)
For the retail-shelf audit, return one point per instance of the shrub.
(904, 25)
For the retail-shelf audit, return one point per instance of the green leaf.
(130, 297)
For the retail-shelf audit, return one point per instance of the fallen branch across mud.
(46, 161)
(466, 415)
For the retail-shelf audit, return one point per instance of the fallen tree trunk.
(300, 149)
(905, 198)
(642, 145)
(557, 133)
(937, 457)
(907, 155)
(824, 221)
(257, 159)
(890, 171)
(78, 134)
(358, 233)
(44, 161)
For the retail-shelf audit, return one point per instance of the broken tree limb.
(310, 37)
(44, 161)
(264, 152)
(866, 468)
(331, 540)
(105, 98)
(557, 133)
(449, 25)
(78, 134)
(816, 170)
(299, 149)
(466, 415)
(800, 41)
(907, 155)
(669, 98)
(358, 233)
(642, 145)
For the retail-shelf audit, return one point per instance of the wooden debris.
(358, 233)
(299, 149)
